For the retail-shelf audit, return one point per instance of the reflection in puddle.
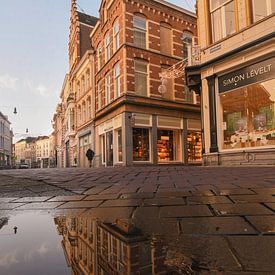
(90, 246)
(34, 249)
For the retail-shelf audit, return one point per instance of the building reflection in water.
(94, 247)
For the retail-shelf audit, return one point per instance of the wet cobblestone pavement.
(169, 219)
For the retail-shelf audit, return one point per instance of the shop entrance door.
(109, 149)
(67, 155)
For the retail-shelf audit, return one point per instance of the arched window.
(116, 36)
(88, 80)
(84, 112)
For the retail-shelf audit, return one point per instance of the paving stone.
(164, 201)
(207, 199)
(236, 191)
(80, 204)
(137, 196)
(146, 212)
(206, 252)
(242, 209)
(10, 206)
(32, 199)
(252, 198)
(271, 206)
(2, 200)
(174, 194)
(108, 214)
(256, 253)
(39, 205)
(68, 198)
(216, 226)
(264, 224)
(121, 203)
(155, 226)
(184, 211)
(102, 197)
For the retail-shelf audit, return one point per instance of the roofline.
(5, 117)
(175, 7)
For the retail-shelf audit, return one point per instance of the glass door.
(109, 149)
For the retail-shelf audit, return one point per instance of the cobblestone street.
(222, 219)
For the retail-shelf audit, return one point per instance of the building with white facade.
(5, 142)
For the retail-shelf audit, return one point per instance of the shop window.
(119, 145)
(140, 30)
(116, 36)
(262, 8)
(108, 88)
(103, 149)
(165, 38)
(141, 141)
(168, 145)
(249, 116)
(141, 78)
(194, 144)
(222, 18)
(107, 47)
(117, 80)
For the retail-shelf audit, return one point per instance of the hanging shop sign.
(248, 75)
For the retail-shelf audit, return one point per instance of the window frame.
(117, 89)
(107, 45)
(140, 30)
(116, 31)
(222, 20)
(141, 72)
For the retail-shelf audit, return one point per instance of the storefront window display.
(249, 116)
(141, 144)
(194, 146)
(119, 145)
(168, 145)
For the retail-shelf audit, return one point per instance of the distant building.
(43, 152)
(237, 74)
(30, 152)
(5, 142)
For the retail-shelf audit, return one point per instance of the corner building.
(237, 81)
(135, 123)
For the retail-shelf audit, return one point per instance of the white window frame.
(107, 47)
(117, 80)
(141, 72)
(108, 87)
(268, 9)
(140, 29)
(221, 7)
(116, 36)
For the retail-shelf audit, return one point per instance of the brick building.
(114, 101)
(136, 121)
(237, 75)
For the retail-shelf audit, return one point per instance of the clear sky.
(34, 59)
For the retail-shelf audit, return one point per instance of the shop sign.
(248, 75)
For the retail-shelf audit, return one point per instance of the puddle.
(117, 241)
(34, 249)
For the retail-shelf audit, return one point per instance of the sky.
(34, 59)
